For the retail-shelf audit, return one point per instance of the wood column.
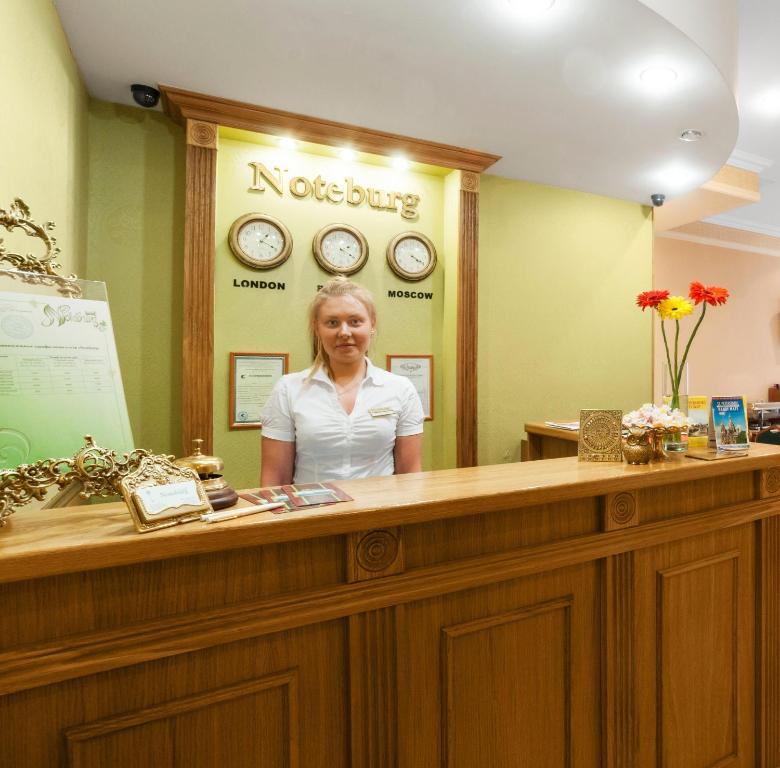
(468, 234)
(769, 674)
(198, 339)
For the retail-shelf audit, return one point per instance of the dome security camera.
(145, 95)
(657, 199)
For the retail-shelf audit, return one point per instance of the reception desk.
(551, 613)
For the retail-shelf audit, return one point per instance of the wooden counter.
(552, 613)
(545, 442)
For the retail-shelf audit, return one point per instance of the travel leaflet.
(729, 426)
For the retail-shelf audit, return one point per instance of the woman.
(343, 418)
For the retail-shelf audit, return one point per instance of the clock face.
(411, 256)
(340, 249)
(260, 241)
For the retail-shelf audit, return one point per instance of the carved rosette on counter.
(99, 469)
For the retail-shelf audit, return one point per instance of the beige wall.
(737, 348)
(136, 226)
(558, 272)
(43, 128)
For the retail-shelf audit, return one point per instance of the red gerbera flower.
(712, 294)
(651, 299)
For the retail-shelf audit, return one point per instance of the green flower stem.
(693, 333)
(676, 374)
(668, 358)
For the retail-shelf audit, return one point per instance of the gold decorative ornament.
(638, 447)
(97, 468)
(209, 470)
(260, 241)
(159, 472)
(600, 435)
(35, 271)
(340, 249)
(411, 255)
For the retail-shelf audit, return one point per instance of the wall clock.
(411, 256)
(340, 249)
(260, 241)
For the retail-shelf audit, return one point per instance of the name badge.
(381, 411)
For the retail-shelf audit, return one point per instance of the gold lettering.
(374, 197)
(333, 190)
(409, 206)
(297, 183)
(319, 188)
(261, 172)
(355, 193)
(391, 200)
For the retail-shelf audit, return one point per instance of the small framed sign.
(419, 370)
(159, 494)
(252, 377)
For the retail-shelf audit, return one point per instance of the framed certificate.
(252, 377)
(419, 370)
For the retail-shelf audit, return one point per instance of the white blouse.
(331, 444)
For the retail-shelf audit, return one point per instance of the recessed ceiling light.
(658, 77)
(691, 134)
(400, 163)
(347, 154)
(768, 103)
(287, 143)
(531, 7)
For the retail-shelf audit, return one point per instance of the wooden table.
(549, 613)
(546, 442)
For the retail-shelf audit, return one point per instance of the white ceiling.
(559, 98)
(759, 126)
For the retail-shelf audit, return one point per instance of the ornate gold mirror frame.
(201, 117)
(35, 270)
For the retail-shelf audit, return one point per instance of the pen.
(232, 514)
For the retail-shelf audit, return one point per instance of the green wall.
(43, 128)
(136, 228)
(256, 320)
(558, 329)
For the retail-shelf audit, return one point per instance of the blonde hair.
(337, 286)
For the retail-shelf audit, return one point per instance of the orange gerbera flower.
(651, 299)
(712, 294)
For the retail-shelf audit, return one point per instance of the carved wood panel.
(250, 724)
(769, 642)
(513, 673)
(506, 675)
(695, 675)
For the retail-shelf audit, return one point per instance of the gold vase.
(637, 447)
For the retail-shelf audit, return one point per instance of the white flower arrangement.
(656, 417)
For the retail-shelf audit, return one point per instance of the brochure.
(728, 423)
(698, 421)
(298, 496)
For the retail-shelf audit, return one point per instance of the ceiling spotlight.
(287, 143)
(768, 103)
(400, 163)
(347, 154)
(658, 77)
(691, 134)
(531, 7)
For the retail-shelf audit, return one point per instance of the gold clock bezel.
(244, 257)
(316, 248)
(412, 277)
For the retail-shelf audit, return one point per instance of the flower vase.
(676, 440)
